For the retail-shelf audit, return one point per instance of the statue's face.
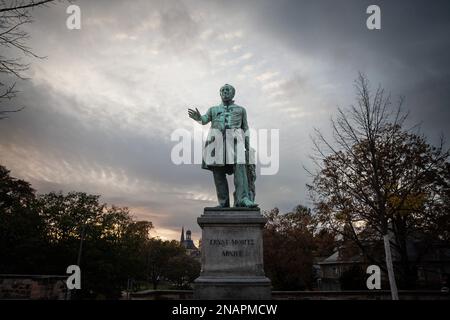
(227, 93)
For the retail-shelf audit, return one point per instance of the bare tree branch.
(14, 5)
(14, 15)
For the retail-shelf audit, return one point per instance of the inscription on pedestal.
(234, 247)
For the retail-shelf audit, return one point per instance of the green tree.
(22, 230)
(45, 234)
(183, 271)
(159, 254)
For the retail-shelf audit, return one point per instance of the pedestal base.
(232, 255)
(227, 288)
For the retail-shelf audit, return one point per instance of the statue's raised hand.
(194, 114)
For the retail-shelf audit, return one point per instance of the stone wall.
(359, 295)
(303, 295)
(33, 287)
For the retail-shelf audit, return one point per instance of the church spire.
(182, 235)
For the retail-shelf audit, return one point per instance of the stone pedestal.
(232, 255)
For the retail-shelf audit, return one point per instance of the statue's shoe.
(246, 203)
(221, 206)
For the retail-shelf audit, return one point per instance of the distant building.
(188, 244)
(330, 270)
(431, 264)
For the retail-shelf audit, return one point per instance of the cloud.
(102, 105)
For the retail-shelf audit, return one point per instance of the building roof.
(336, 259)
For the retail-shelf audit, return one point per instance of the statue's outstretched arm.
(195, 114)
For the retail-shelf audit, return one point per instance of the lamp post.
(83, 232)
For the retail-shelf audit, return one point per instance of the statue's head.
(227, 93)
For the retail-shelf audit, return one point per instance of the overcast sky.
(101, 107)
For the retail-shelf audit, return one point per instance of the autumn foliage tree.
(291, 242)
(377, 180)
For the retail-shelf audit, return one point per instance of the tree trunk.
(390, 267)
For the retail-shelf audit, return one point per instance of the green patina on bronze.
(225, 116)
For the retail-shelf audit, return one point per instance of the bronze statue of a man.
(229, 120)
